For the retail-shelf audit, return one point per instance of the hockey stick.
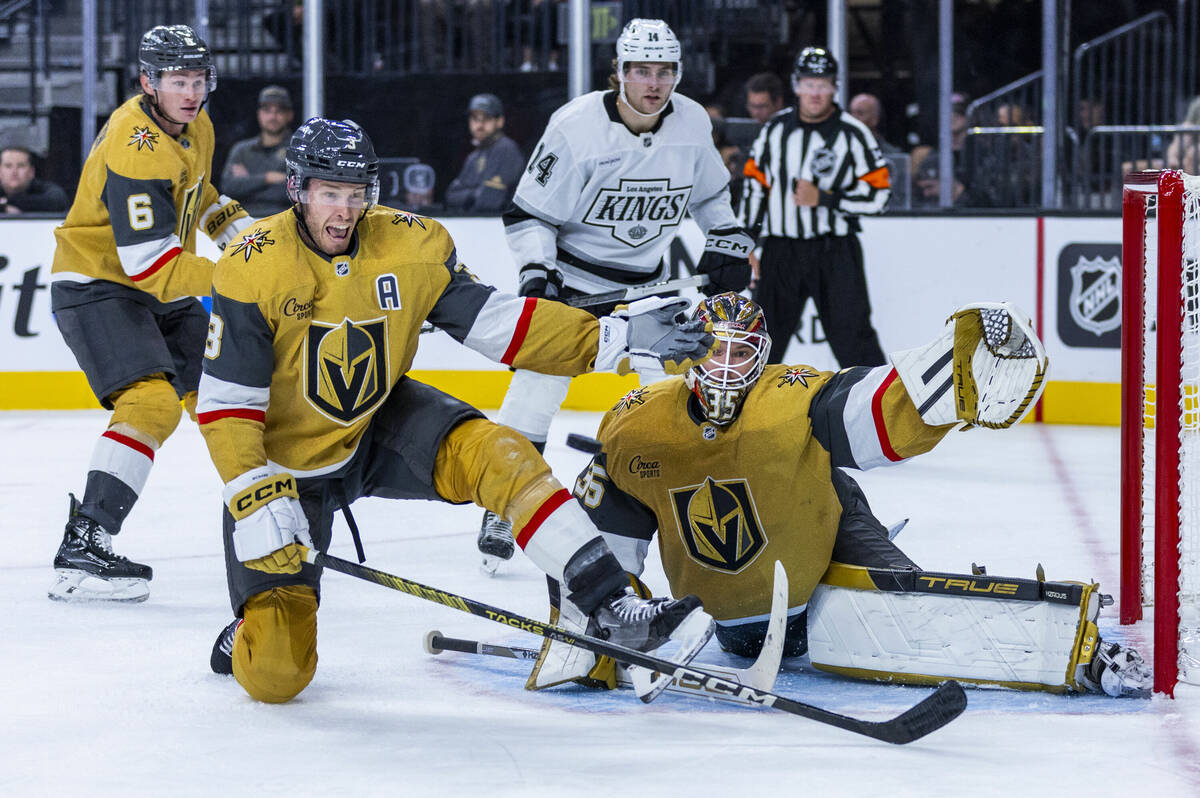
(945, 704)
(638, 291)
(436, 643)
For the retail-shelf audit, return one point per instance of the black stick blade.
(944, 705)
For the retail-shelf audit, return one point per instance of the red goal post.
(1160, 448)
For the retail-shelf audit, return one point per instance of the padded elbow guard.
(923, 627)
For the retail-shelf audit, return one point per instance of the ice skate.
(88, 570)
(495, 541)
(627, 619)
(1117, 671)
(221, 660)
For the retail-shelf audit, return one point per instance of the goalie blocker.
(924, 627)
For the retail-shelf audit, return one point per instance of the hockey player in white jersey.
(603, 195)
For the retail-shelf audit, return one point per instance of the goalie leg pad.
(924, 627)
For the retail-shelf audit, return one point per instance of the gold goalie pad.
(924, 627)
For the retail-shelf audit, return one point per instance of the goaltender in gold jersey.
(739, 465)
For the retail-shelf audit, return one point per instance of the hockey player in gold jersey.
(305, 406)
(125, 282)
(738, 465)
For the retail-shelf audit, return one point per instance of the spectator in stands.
(20, 189)
(867, 109)
(926, 191)
(764, 96)
(254, 170)
(1184, 150)
(490, 174)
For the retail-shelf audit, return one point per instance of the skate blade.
(490, 564)
(79, 586)
(692, 635)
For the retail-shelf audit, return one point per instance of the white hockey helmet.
(650, 41)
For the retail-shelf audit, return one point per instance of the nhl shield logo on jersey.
(639, 210)
(796, 374)
(143, 137)
(632, 399)
(252, 242)
(1095, 299)
(718, 523)
(823, 162)
(347, 369)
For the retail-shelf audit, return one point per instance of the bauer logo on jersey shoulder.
(638, 211)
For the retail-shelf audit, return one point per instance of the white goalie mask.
(647, 41)
(722, 382)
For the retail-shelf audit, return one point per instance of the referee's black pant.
(830, 270)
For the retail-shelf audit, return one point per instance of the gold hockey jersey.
(729, 501)
(303, 349)
(140, 199)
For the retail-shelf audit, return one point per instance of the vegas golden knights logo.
(719, 524)
(347, 367)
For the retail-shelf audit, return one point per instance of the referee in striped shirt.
(813, 170)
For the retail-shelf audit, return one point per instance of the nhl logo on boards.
(1095, 299)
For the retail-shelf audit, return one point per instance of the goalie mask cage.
(1160, 417)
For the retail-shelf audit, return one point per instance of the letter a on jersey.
(347, 368)
(719, 524)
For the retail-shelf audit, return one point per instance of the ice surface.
(119, 700)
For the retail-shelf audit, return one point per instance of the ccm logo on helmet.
(263, 493)
(348, 163)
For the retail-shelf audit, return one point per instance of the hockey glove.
(539, 280)
(653, 335)
(268, 520)
(726, 260)
(987, 368)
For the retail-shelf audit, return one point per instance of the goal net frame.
(1160, 302)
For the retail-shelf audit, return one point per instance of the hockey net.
(1160, 418)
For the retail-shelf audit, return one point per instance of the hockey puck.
(583, 443)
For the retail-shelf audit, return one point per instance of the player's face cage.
(722, 382)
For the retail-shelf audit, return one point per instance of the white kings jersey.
(601, 203)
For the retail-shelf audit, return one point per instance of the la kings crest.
(638, 211)
(347, 369)
(719, 524)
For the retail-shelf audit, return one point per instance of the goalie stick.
(945, 704)
(761, 675)
(638, 291)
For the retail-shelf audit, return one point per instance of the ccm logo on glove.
(261, 493)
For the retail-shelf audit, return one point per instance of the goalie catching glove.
(653, 335)
(986, 369)
(268, 520)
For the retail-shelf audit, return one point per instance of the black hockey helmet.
(167, 48)
(331, 150)
(814, 62)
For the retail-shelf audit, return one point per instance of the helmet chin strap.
(158, 108)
